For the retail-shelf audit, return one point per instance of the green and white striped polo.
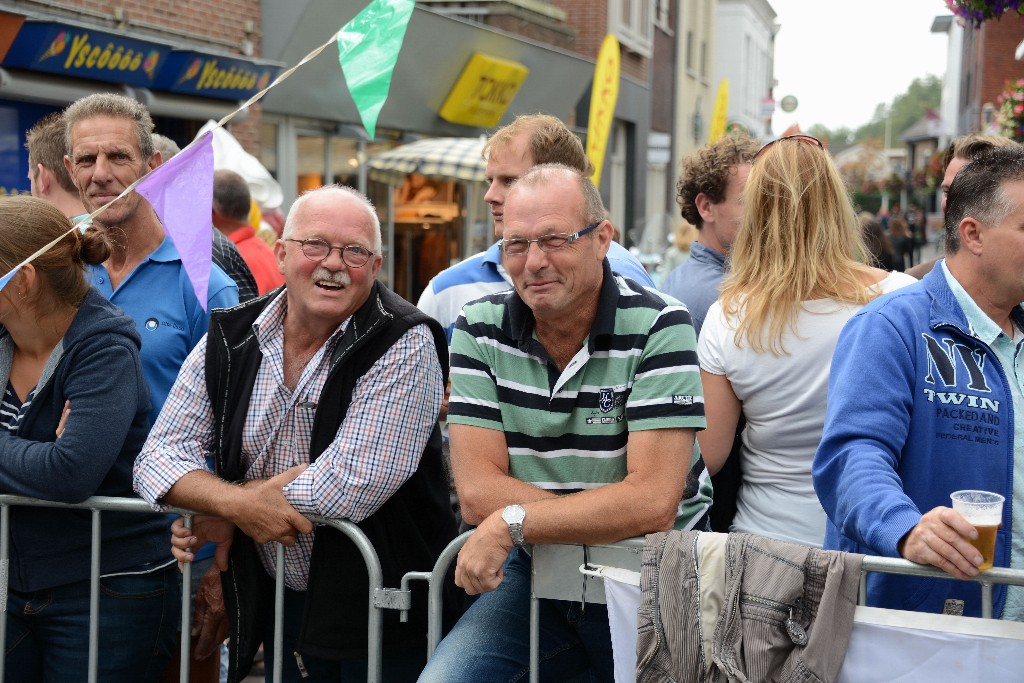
(567, 431)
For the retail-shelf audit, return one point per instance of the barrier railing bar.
(279, 612)
(107, 503)
(378, 598)
(534, 633)
(406, 592)
(374, 620)
(893, 565)
(94, 597)
(5, 550)
(435, 611)
(185, 648)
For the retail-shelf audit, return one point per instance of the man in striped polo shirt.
(575, 401)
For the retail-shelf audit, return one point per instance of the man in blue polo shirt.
(110, 145)
(530, 140)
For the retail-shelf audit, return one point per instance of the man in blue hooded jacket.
(925, 398)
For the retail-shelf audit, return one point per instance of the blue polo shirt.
(158, 296)
(695, 282)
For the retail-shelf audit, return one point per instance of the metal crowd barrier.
(379, 599)
(892, 565)
(555, 575)
(557, 568)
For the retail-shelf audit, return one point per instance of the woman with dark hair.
(879, 246)
(73, 418)
(799, 272)
(902, 243)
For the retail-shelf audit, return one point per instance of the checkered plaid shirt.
(377, 448)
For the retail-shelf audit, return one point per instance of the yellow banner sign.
(718, 118)
(603, 95)
(484, 91)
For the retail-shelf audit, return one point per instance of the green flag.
(368, 49)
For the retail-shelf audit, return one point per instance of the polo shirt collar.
(242, 234)
(165, 253)
(493, 255)
(982, 326)
(705, 254)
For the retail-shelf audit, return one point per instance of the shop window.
(428, 231)
(345, 161)
(310, 154)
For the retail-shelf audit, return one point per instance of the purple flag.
(181, 192)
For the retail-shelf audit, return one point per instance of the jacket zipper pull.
(796, 632)
(301, 665)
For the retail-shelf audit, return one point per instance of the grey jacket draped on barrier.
(740, 607)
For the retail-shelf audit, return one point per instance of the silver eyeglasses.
(518, 246)
(353, 255)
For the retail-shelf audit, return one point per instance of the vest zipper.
(301, 665)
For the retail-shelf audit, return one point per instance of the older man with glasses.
(321, 399)
(575, 400)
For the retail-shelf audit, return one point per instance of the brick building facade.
(223, 37)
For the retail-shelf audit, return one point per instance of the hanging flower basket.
(977, 11)
(1010, 116)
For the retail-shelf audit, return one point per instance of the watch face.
(514, 514)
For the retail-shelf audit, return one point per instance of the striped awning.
(442, 158)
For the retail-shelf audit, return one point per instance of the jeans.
(48, 630)
(397, 667)
(491, 642)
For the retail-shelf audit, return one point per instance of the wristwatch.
(514, 516)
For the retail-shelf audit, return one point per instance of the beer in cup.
(984, 510)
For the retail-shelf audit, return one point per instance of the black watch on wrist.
(514, 516)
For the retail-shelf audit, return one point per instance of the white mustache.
(338, 277)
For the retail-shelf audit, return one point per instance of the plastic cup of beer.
(984, 510)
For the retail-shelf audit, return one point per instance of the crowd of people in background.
(791, 378)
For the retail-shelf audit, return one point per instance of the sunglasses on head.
(801, 137)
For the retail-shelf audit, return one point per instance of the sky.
(841, 59)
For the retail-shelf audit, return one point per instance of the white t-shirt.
(784, 403)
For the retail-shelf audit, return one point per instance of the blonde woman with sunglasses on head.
(797, 275)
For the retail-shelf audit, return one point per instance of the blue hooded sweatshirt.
(96, 367)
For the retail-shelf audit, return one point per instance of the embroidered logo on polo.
(153, 324)
(608, 399)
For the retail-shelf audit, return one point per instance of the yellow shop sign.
(233, 78)
(483, 91)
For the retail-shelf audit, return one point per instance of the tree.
(904, 111)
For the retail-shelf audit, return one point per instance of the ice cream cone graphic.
(192, 70)
(56, 47)
(150, 64)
